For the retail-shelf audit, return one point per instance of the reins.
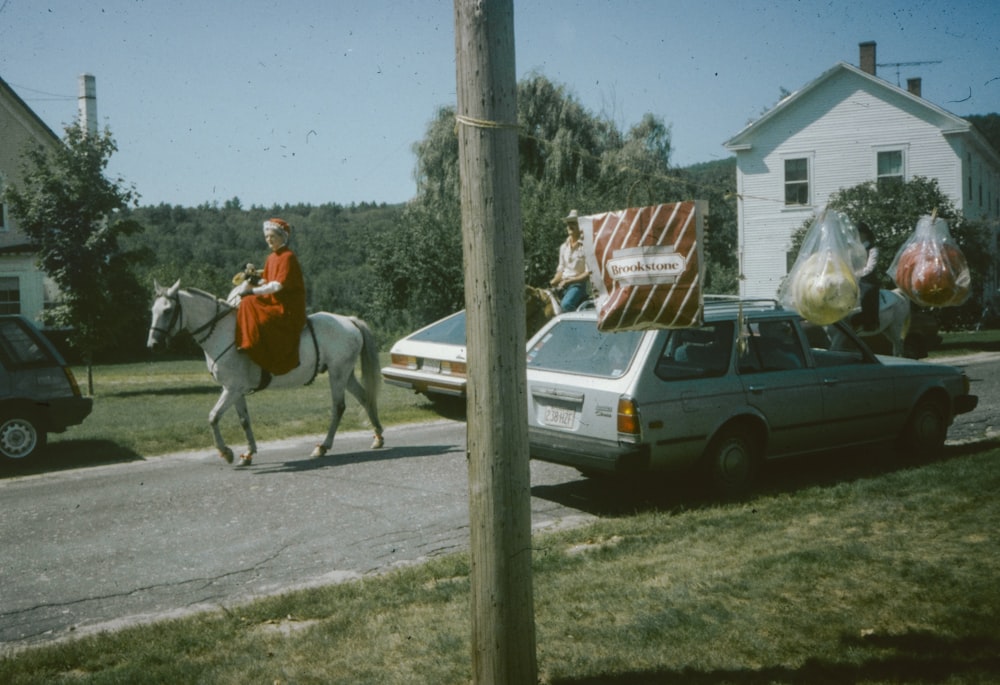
(224, 307)
(222, 310)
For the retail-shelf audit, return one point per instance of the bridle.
(222, 310)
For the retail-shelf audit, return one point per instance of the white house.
(844, 128)
(23, 287)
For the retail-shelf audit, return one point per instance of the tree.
(892, 211)
(568, 159)
(989, 126)
(71, 212)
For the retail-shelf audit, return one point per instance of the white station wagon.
(754, 382)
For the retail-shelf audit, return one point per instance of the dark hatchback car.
(38, 392)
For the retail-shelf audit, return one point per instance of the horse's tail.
(370, 373)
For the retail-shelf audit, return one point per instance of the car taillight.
(628, 417)
(72, 381)
(453, 368)
(404, 360)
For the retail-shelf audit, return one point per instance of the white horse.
(330, 343)
(893, 319)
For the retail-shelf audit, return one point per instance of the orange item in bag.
(930, 268)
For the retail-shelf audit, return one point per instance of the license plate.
(559, 417)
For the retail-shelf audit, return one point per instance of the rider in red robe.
(272, 315)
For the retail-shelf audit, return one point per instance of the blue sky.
(320, 101)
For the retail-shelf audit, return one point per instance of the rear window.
(576, 346)
(450, 331)
(19, 348)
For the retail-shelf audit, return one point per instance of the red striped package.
(646, 265)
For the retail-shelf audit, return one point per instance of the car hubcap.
(733, 463)
(928, 427)
(17, 439)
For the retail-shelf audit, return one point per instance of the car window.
(18, 348)
(701, 352)
(450, 331)
(832, 346)
(576, 346)
(771, 346)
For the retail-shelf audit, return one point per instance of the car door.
(858, 390)
(687, 391)
(779, 385)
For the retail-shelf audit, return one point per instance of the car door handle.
(831, 381)
(757, 389)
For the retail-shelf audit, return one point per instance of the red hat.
(278, 225)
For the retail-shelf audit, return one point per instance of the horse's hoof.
(379, 441)
(245, 460)
(318, 451)
(227, 455)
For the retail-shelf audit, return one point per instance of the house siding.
(19, 129)
(839, 126)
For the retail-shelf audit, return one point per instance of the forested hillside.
(400, 267)
(339, 248)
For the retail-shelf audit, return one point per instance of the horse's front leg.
(225, 400)
(241, 410)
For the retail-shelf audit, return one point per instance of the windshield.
(576, 346)
(450, 331)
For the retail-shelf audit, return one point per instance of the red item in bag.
(646, 265)
(930, 268)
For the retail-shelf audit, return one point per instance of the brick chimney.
(87, 103)
(867, 59)
(913, 86)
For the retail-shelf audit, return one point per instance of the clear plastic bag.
(822, 285)
(930, 268)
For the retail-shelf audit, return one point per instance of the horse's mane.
(205, 293)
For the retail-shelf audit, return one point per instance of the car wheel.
(20, 437)
(925, 431)
(731, 462)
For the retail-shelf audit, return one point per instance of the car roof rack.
(731, 303)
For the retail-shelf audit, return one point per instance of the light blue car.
(754, 382)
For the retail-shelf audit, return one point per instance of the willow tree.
(69, 209)
(569, 158)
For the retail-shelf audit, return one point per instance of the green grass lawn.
(149, 409)
(848, 570)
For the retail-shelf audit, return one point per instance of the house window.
(10, 295)
(889, 165)
(797, 181)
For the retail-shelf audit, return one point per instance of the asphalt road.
(101, 547)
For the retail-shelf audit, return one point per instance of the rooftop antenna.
(906, 64)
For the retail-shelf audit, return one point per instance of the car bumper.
(587, 454)
(426, 383)
(68, 411)
(963, 404)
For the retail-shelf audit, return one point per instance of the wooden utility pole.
(503, 628)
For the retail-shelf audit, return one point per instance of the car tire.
(20, 437)
(731, 461)
(925, 432)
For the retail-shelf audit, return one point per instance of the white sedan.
(431, 361)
